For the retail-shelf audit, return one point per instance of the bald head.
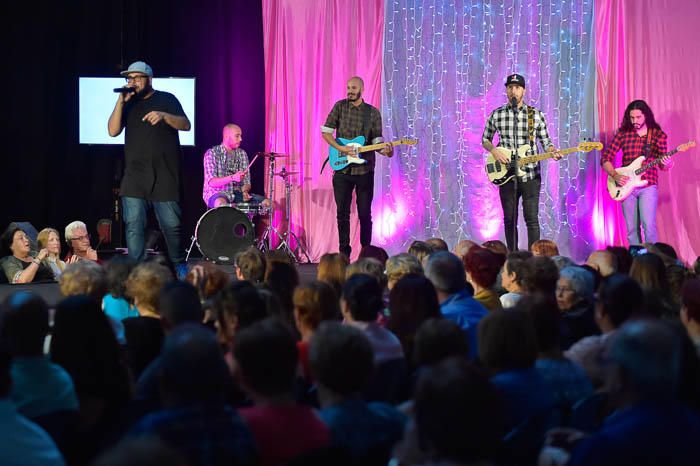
(603, 261)
(232, 135)
(355, 87)
(463, 247)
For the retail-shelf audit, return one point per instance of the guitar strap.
(531, 127)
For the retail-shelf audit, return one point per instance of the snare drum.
(252, 209)
(222, 232)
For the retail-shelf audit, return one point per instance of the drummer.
(226, 175)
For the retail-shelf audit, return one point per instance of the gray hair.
(446, 272)
(649, 353)
(71, 227)
(563, 261)
(581, 281)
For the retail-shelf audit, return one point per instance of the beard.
(354, 97)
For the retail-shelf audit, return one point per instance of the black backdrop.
(47, 178)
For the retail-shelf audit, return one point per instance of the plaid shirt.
(503, 122)
(632, 146)
(346, 120)
(219, 162)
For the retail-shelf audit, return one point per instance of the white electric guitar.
(634, 172)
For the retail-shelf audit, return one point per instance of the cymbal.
(271, 154)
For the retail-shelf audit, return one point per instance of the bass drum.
(222, 232)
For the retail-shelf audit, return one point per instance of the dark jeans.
(168, 215)
(530, 192)
(364, 190)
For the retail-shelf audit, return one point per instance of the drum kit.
(224, 231)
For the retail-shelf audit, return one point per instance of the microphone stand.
(514, 162)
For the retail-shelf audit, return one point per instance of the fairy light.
(444, 66)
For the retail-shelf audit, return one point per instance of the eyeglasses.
(82, 238)
(134, 78)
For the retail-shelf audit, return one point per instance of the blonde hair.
(84, 277)
(401, 265)
(145, 283)
(331, 269)
(42, 240)
(544, 247)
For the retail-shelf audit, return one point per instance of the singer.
(152, 155)
(518, 124)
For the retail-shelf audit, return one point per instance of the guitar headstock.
(686, 146)
(409, 141)
(589, 146)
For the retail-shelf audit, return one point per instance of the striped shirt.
(513, 133)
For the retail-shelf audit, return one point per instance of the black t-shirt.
(152, 153)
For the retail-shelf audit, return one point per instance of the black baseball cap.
(515, 79)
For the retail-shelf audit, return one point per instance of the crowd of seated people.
(428, 357)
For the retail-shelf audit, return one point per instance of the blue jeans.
(168, 215)
(639, 210)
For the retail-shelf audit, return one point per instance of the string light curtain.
(444, 68)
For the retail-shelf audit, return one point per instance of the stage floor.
(51, 293)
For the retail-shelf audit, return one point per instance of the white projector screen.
(96, 101)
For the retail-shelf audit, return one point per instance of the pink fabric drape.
(644, 52)
(312, 47)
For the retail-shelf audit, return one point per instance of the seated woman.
(50, 240)
(19, 265)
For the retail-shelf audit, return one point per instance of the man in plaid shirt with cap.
(511, 124)
(347, 120)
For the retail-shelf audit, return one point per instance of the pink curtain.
(312, 47)
(644, 51)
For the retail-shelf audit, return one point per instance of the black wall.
(49, 179)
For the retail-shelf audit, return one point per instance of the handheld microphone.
(125, 90)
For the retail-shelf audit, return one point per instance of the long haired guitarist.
(350, 118)
(518, 124)
(639, 135)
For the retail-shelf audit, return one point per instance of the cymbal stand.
(266, 239)
(284, 245)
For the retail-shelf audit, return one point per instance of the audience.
(623, 258)
(83, 343)
(543, 275)
(462, 248)
(373, 252)
(513, 278)
(604, 261)
(84, 278)
(18, 264)
(412, 301)
(544, 247)
(497, 246)
(449, 278)
(331, 269)
(281, 279)
(650, 272)
(482, 267)
(574, 295)
(313, 303)
(401, 265)
(23, 442)
(421, 250)
(690, 310)
(619, 298)
(144, 334)
(438, 244)
(78, 240)
(115, 303)
(367, 266)
(439, 339)
(50, 240)
(250, 265)
(40, 388)
(508, 350)
(342, 363)
(458, 415)
(195, 420)
(650, 425)
(266, 363)
(568, 380)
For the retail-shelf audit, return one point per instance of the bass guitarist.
(639, 135)
(350, 118)
(518, 124)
